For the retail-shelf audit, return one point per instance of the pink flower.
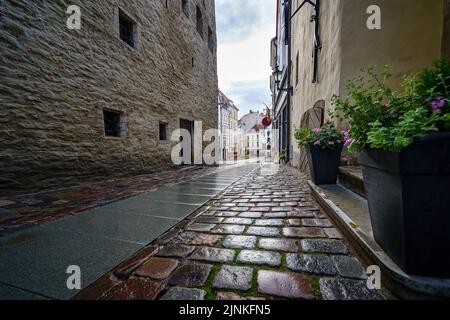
(317, 130)
(317, 143)
(346, 134)
(331, 143)
(349, 142)
(439, 104)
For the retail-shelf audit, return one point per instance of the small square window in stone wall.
(114, 123)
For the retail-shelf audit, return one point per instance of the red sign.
(267, 122)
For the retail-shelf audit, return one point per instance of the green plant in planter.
(323, 148)
(326, 137)
(282, 156)
(382, 118)
(404, 139)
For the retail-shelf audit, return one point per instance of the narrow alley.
(277, 152)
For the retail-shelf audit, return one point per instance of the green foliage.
(303, 136)
(282, 156)
(411, 125)
(326, 137)
(434, 82)
(386, 119)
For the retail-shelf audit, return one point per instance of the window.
(114, 123)
(210, 40)
(185, 7)
(163, 131)
(199, 21)
(296, 70)
(127, 29)
(282, 44)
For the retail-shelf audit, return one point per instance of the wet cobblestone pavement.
(24, 211)
(262, 238)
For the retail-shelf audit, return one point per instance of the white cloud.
(245, 28)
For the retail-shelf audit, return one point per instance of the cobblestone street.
(264, 237)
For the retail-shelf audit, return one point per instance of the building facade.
(252, 136)
(280, 82)
(412, 35)
(102, 101)
(228, 127)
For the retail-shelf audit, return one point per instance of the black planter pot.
(323, 164)
(409, 202)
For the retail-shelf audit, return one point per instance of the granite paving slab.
(34, 261)
(37, 259)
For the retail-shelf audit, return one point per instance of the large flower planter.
(323, 164)
(409, 202)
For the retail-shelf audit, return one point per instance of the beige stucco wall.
(306, 93)
(409, 40)
(446, 29)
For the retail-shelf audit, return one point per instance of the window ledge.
(133, 49)
(114, 138)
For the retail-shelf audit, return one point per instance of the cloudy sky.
(244, 30)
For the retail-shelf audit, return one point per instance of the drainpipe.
(290, 90)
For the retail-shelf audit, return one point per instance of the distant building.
(228, 127)
(252, 136)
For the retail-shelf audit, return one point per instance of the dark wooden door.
(313, 118)
(189, 126)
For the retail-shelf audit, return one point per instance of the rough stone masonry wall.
(55, 82)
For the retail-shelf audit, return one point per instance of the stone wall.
(55, 83)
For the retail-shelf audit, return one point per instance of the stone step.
(351, 213)
(351, 177)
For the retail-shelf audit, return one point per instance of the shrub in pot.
(403, 138)
(323, 147)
